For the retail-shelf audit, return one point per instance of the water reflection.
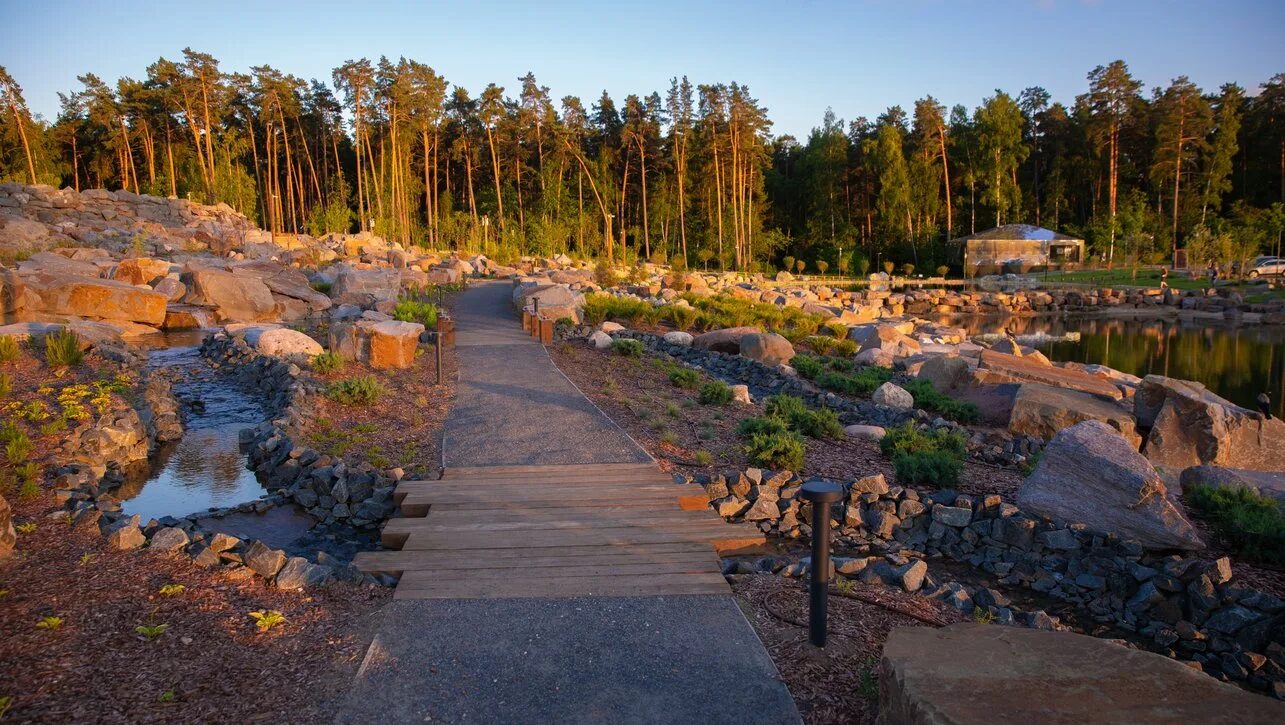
(1236, 362)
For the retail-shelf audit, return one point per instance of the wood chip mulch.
(837, 684)
(210, 664)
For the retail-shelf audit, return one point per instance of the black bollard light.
(820, 494)
(437, 349)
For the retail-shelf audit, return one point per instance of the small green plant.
(50, 623)
(684, 378)
(982, 616)
(627, 348)
(29, 490)
(6, 384)
(62, 349)
(86, 559)
(266, 620)
(935, 457)
(716, 392)
(27, 528)
(821, 343)
(327, 362)
(673, 411)
(151, 631)
(1251, 523)
(844, 585)
(6, 702)
(782, 451)
(172, 590)
(927, 397)
(17, 449)
(669, 437)
(167, 697)
(322, 287)
(703, 458)
(411, 309)
(868, 687)
(361, 390)
(8, 348)
(822, 423)
(682, 316)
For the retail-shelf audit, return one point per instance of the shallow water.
(1235, 361)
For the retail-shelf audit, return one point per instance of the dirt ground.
(683, 434)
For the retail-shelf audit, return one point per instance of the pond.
(1235, 361)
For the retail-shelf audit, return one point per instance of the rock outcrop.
(1193, 427)
(1043, 410)
(234, 297)
(768, 348)
(1089, 474)
(726, 340)
(377, 343)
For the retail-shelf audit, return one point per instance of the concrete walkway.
(639, 659)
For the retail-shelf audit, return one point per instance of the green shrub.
(17, 449)
(823, 423)
(749, 427)
(361, 390)
(6, 385)
(779, 451)
(685, 378)
(845, 348)
(927, 397)
(8, 348)
(411, 309)
(681, 316)
(1251, 523)
(909, 439)
(62, 349)
(934, 457)
(627, 348)
(322, 287)
(716, 392)
(821, 343)
(936, 468)
(807, 366)
(327, 362)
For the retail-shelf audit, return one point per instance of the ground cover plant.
(932, 457)
(1252, 524)
(841, 375)
(927, 397)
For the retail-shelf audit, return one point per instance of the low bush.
(933, 457)
(1252, 524)
(412, 309)
(8, 348)
(780, 451)
(685, 378)
(681, 316)
(821, 343)
(749, 427)
(327, 362)
(716, 392)
(845, 348)
(361, 390)
(6, 385)
(927, 397)
(821, 423)
(627, 348)
(62, 349)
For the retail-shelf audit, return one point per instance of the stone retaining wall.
(1190, 608)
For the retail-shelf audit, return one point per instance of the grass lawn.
(1123, 277)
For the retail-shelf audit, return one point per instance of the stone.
(1195, 427)
(608, 326)
(945, 372)
(265, 561)
(885, 337)
(299, 573)
(893, 396)
(556, 301)
(996, 367)
(128, 536)
(1264, 483)
(1090, 474)
(764, 509)
(378, 343)
(865, 432)
(1059, 540)
(677, 337)
(140, 270)
(875, 357)
(168, 539)
(911, 576)
(967, 673)
(8, 535)
(101, 299)
(282, 342)
(171, 288)
(952, 516)
(600, 340)
(741, 394)
(875, 484)
(1041, 411)
(726, 340)
(365, 288)
(768, 348)
(235, 298)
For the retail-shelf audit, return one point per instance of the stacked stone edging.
(1189, 607)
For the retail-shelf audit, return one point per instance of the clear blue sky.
(797, 57)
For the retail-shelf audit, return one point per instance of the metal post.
(437, 352)
(821, 494)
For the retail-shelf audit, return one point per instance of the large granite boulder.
(726, 340)
(889, 338)
(365, 287)
(54, 263)
(1264, 483)
(377, 343)
(234, 297)
(979, 674)
(1089, 474)
(140, 270)
(286, 282)
(996, 367)
(1043, 410)
(101, 299)
(945, 372)
(768, 348)
(555, 301)
(1193, 427)
(281, 341)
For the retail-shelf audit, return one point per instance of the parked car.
(1259, 260)
(1271, 267)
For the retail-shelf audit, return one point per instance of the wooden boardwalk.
(608, 529)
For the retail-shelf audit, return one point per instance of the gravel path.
(513, 406)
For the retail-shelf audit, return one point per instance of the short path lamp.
(820, 494)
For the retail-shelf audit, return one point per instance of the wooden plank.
(570, 552)
(475, 540)
(421, 585)
(602, 556)
(606, 570)
(652, 474)
(434, 523)
(501, 489)
(697, 503)
(644, 509)
(549, 469)
(549, 493)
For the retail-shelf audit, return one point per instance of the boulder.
(996, 367)
(555, 301)
(52, 263)
(61, 294)
(1194, 427)
(945, 372)
(19, 235)
(865, 432)
(766, 347)
(167, 540)
(282, 341)
(888, 338)
(140, 270)
(741, 394)
(365, 287)
(893, 396)
(171, 288)
(726, 340)
(299, 573)
(1089, 474)
(875, 357)
(377, 343)
(678, 337)
(235, 298)
(600, 340)
(977, 674)
(286, 282)
(264, 560)
(1042, 410)
(1264, 483)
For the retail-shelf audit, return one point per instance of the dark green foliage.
(601, 307)
(716, 392)
(780, 451)
(823, 423)
(1251, 523)
(936, 468)
(361, 390)
(327, 362)
(8, 348)
(762, 426)
(681, 316)
(62, 349)
(933, 457)
(927, 397)
(844, 348)
(627, 348)
(807, 366)
(412, 309)
(684, 377)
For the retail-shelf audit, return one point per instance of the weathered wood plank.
(473, 540)
(396, 561)
(549, 469)
(421, 585)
